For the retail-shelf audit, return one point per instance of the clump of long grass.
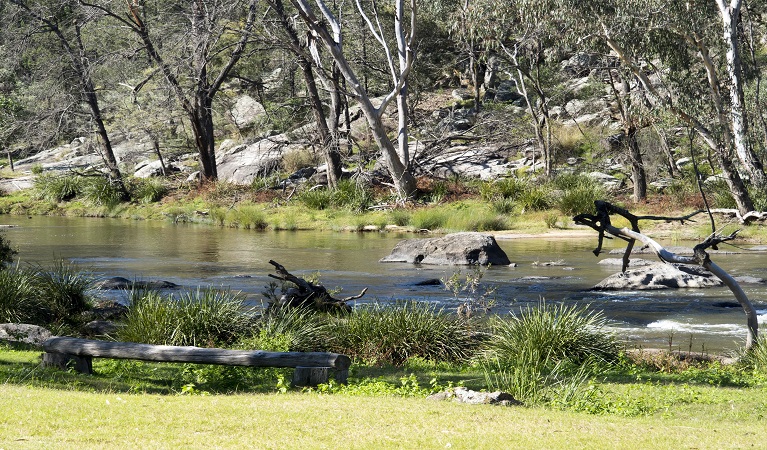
(428, 219)
(399, 217)
(205, 317)
(545, 353)
(755, 358)
(58, 188)
(392, 333)
(348, 194)
(103, 191)
(147, 190)
(63, 287)
(577, 193)
(474, 219)
(248, 217)
(20, 301)
(289, 329)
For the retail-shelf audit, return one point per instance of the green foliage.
(37, 169)
(399, 217)
(428, 219)
(248, 217)
(577, 193)
(289, 329)
(147, 190)
(20, 301)
(103, 191)
(206, 317)
(58, 188)
(548, 352)
(348, 194)
(755, 358)
(393, 333)
(63, 289)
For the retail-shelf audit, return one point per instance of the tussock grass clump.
(428, 219)
(248, 217)
(205, 318)
(755, 358)
(103, 191)
(381, 334)
(58, 188)
(474, 219)
(147, 190)
(578, 193)
(547, 353)
(63, 288)
(283, 329)
(399, 217)
(348, 194)
(20, 301)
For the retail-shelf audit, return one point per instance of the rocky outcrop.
(453, 249)
(659, 276)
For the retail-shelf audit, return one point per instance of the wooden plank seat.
(311, 368)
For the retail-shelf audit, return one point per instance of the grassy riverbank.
(43, 408)
(507, 207)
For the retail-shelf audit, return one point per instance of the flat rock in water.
(633, 262)
(659, 276)
(452, 249)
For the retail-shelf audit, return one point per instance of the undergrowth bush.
(147, 190)
(348, 194)
(58, 188)
(381, 334)
(289, 329)
(546, 353)
(63, 288)
(428, 219)
(205, 317)
(102, 191)
(577, 193)
(20, 301)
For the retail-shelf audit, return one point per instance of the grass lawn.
(51, 409)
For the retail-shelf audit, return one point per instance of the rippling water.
(194, 255)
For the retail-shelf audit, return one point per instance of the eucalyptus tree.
(328, 29)
(196, 46)
(523, 37)
(677, 52)
(66, 22)
(312, 68)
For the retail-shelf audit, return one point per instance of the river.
(198, 255)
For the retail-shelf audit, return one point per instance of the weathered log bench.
(311, 368)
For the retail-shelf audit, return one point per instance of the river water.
(198, 255)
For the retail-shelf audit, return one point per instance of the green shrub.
(206, 317)
(755, 358)
(318, 199)
(352, 195)
(64, 289)
(249, 217)
(103, 191)
(289, 329)
(147, 190)
(553, 333)
(428, 219)
(393, 333)
(58, 188)
(399, 217)
(503, 205)
(37, 169)
(548, 352)
(536, 198)
(578, 193)
(20, 301)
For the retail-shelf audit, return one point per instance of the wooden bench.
(311, 368)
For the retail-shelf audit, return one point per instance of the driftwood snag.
(601, 223)
(308, 294)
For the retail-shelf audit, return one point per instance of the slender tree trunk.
(730, 17)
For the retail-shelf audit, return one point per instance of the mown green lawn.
(45, 409)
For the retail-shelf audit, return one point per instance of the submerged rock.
(659, 276)
(452, 249)
(120, 283)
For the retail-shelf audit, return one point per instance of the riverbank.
(464, 208)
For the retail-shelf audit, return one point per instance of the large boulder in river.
(452, 249)
(659, 276)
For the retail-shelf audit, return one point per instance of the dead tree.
(601, 223)
(306, 294)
